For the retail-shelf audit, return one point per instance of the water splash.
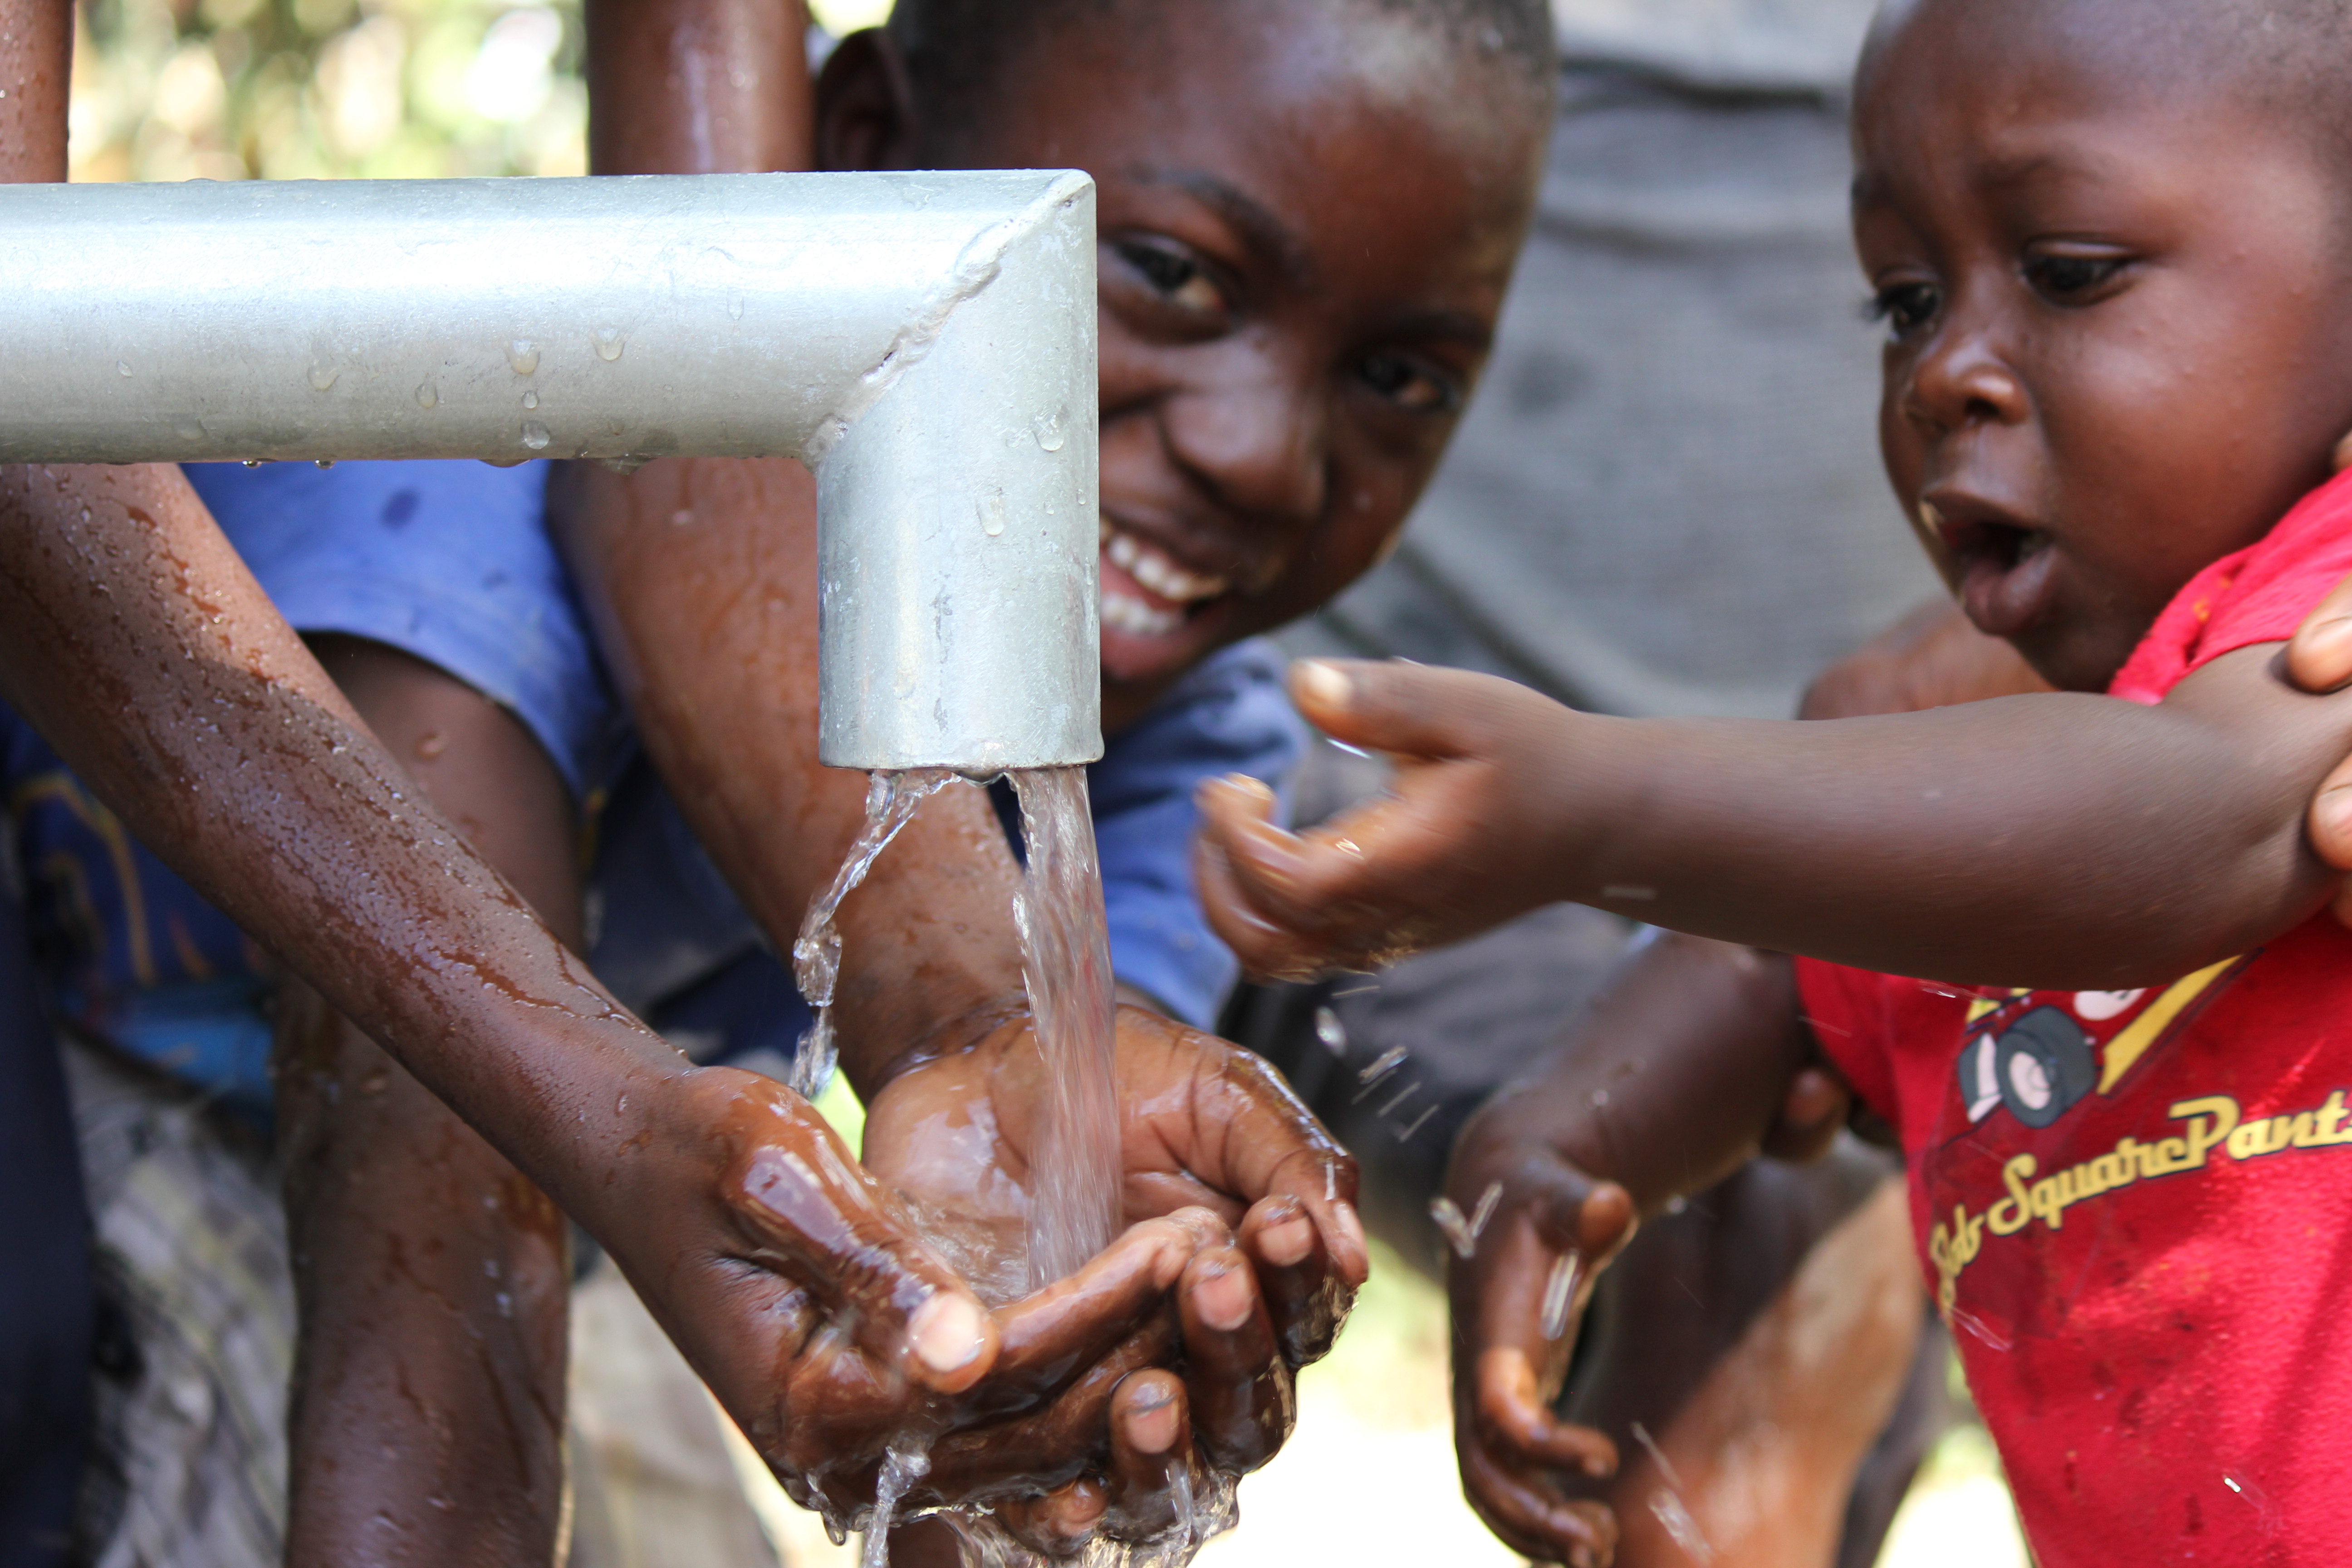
(1667, 1505)
(1074, 1208)
(1559, 1294)
(1206, 1507)
(1074, 1205)
(890, 802)
(906, 1461)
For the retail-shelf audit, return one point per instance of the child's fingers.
(1532, 1518)
(1073, 1322)
(2329, 820)
(1330, 897)
(1512, 1410)
(1409, 710)
(1252, 1137)
(1265, 948)
(1305, 1296)
(2319, 659)
(1244, 1409)
(1150, 1447)
(819, 1220)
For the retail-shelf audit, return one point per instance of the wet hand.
(800, 1289)
(2318, 660)
(1207, 1131)
(1517, 1300)
(1456, 847)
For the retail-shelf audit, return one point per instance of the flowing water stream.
(1075, 1173)
(1076, 1170)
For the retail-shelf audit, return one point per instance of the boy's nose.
(1261, 451)
(1960, 379)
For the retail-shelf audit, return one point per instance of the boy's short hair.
(954, 49)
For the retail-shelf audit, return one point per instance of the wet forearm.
(701, 578)
(2073, 842)
(132, 636)
(426, 1425)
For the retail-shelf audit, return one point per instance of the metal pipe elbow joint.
(924, 341)
(959, 521)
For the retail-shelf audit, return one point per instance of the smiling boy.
(2107, 237)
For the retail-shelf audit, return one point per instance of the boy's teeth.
(1123, 613)
(1155, 571)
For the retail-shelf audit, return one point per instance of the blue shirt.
(452, 562)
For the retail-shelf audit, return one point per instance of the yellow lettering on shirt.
(2211, 1124)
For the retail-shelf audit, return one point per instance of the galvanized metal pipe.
(926, 343)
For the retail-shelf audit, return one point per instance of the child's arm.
(429, 1273)
(1668, 1084)
(2066, 841)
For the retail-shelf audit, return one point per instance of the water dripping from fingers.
(905, 1462)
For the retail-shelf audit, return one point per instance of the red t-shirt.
(2135, 1207)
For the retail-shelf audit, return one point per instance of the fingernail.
(1253, 788)
(946, 1331)
(1152, 1426)
(1224, 1299)
(1323, 684)
(1597, 1464)
(1287, 1243)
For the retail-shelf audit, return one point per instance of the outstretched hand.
(1452, 850)
(1213, 1142)
(1517, 1300)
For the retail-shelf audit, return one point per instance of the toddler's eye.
(1408, 385)
(2068, 278)
(1905, 307)
(1173, 275)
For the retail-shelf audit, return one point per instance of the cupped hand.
(1518, 1301)
(1454, 849)
(800, 1289)
(1211, 1138)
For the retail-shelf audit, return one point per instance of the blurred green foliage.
(293, 90)
(230, 90)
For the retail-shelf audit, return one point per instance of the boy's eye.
(2067, 278)
(1905, 307)
(1409, 384)
(1175, 277)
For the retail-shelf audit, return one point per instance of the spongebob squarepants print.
(2036, 1054)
